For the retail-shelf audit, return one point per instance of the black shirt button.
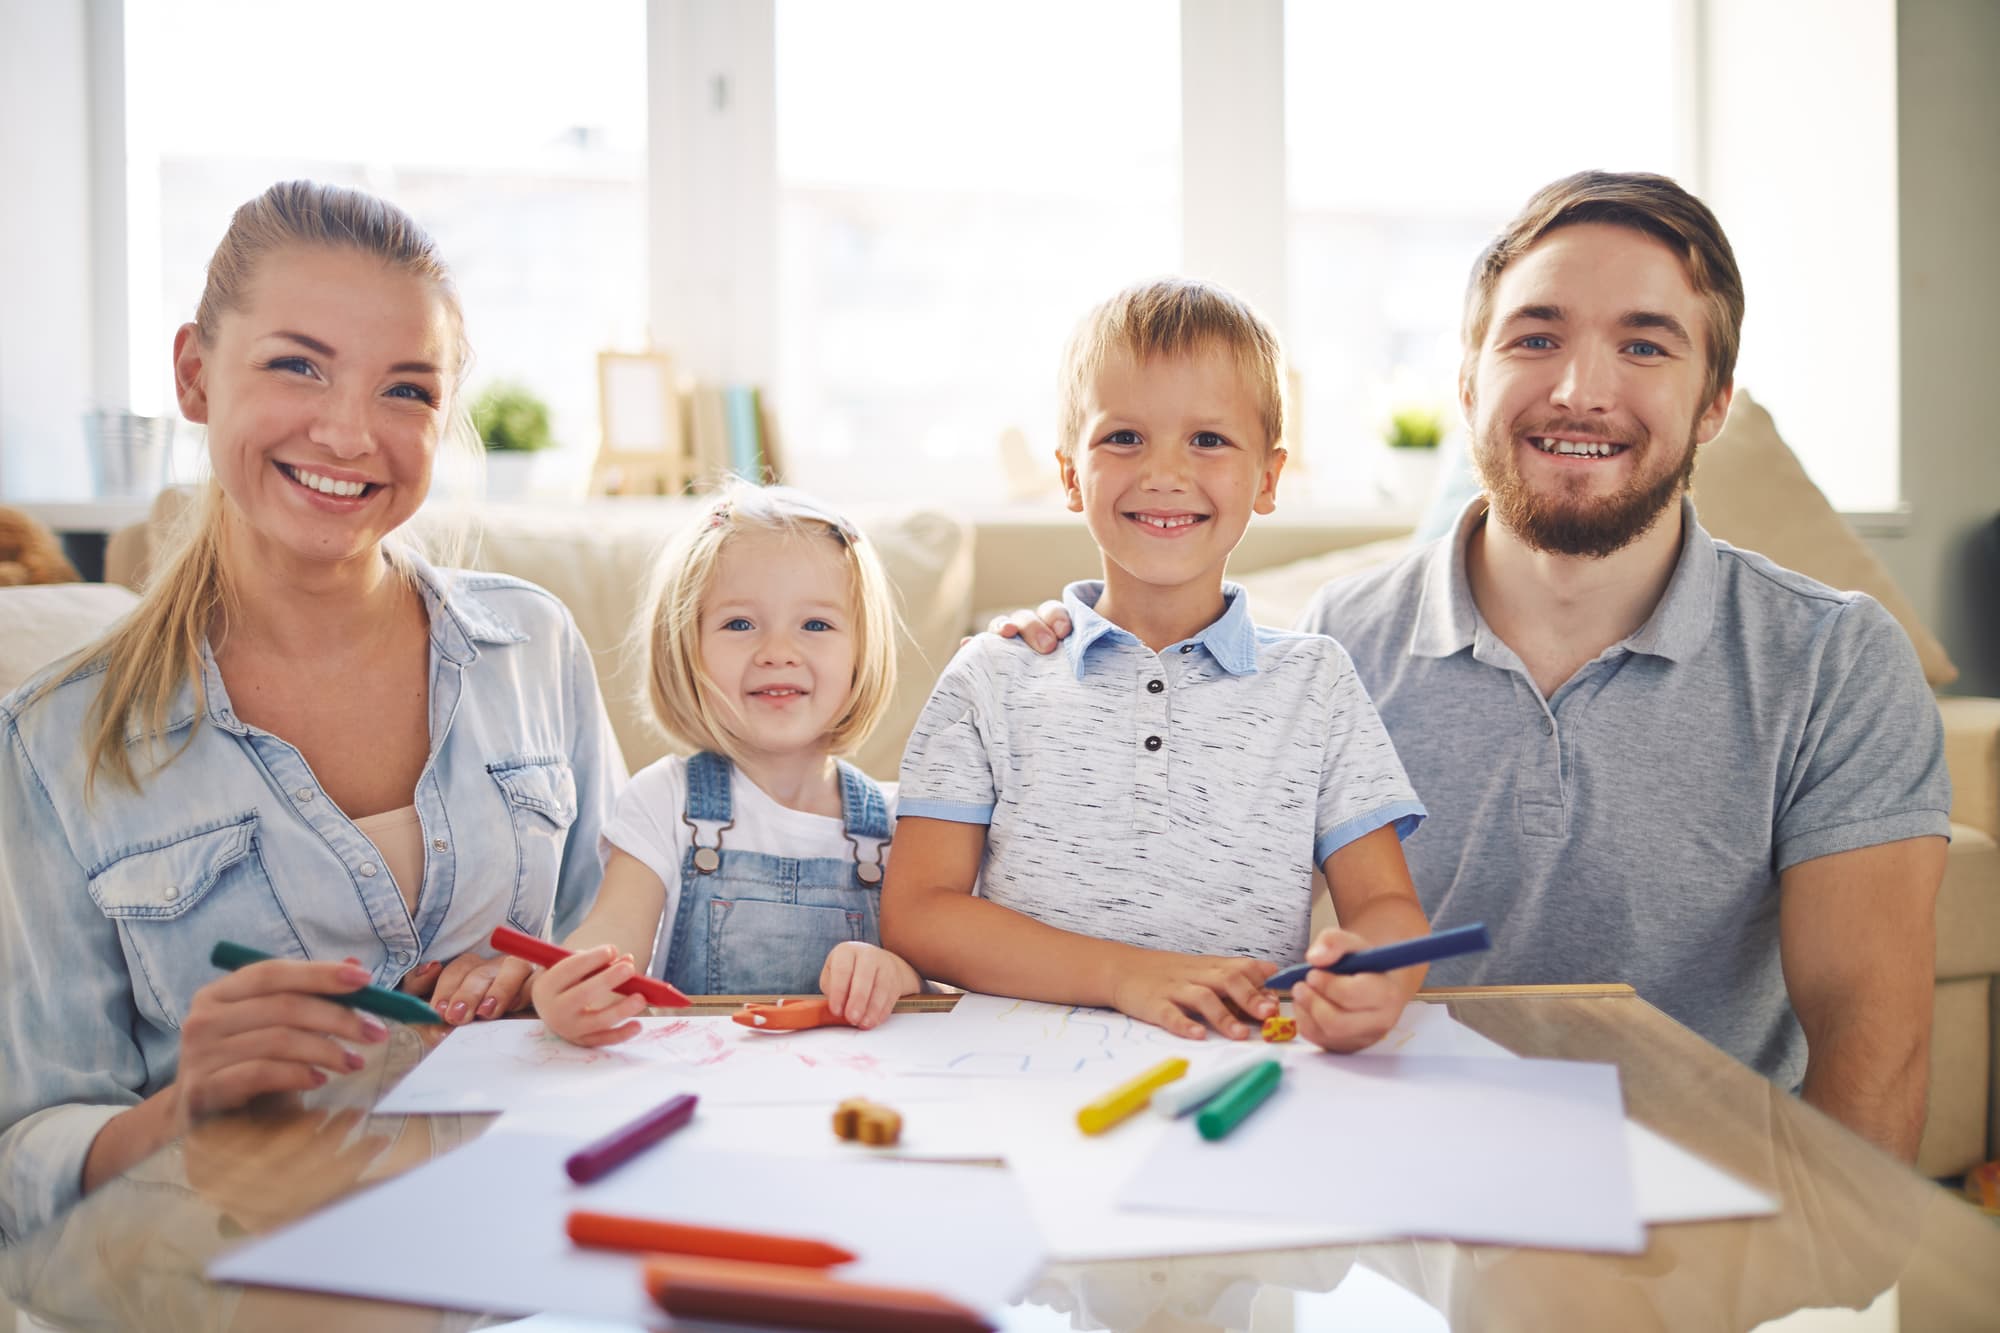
(1152, 742)
(1155, 686)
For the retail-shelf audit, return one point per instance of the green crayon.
(375, 999)
(1230, 1106)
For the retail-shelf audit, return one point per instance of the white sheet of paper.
(482, 1228)
(1512, 1152)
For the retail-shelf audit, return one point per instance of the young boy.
(1142, 810)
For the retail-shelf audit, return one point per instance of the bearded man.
(1651, 757)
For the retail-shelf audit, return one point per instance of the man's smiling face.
(1585, 401)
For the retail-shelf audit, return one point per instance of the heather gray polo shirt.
(1632, 827)
(1174, 800)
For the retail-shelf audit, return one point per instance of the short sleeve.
(646, 825)
(1362, 785)
(1870, 766)
(948, 765)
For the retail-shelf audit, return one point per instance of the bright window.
(957, 185)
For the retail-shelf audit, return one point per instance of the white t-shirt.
(647, 826)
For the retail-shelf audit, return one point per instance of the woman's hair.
(679, 690)
(150, 654)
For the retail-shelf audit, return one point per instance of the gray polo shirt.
(1175, 800)
(1633, 826)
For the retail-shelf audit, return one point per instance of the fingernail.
(354, 1059)
(458, 1012)
(319, 1078)
(352, 974)
(352, 959)
(374, 1027)
(487, 1006)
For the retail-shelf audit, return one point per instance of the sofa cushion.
(44, 621)
(1968, 909)
(1278, 596)
(1751, 491)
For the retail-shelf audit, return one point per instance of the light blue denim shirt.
(109, 907)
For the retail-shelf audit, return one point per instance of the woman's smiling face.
(325, 395)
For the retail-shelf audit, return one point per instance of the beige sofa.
(952, 571)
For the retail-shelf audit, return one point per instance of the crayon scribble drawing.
(992, 1035)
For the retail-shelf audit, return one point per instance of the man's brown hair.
(1651, 204)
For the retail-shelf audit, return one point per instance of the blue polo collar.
(1230, 639)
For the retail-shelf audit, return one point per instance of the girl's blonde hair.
(679, 689)
(156, 649)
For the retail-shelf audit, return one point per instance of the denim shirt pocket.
(541, 805)
(172, 901)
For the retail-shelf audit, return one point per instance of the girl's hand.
(577, 998)
(475, 986)
(1174, 990)
(268, 1028)
(862, 982)
(1344, 1014)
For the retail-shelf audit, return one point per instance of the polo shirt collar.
(1448, 620)
(1231, 638)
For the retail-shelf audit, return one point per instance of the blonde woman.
(304, 739)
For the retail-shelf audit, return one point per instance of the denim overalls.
(754, 923)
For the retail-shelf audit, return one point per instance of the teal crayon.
(374, 999)
(1239, 1099)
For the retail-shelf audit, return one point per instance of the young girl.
(755, 865)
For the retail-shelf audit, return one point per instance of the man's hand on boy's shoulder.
(1041, 629)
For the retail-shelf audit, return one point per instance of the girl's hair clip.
(718, 516)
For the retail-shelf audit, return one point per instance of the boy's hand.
(475, 986)
(577, 999)
(1344, 1014)
(1165, 989)
(1041, 629)
(862, 982)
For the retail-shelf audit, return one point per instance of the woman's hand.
(862, 982)
(1345, 1014)
(269, 1027)
(474, 986)
(578, 998)
(1181, 991)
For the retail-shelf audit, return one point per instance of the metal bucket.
(128, 453)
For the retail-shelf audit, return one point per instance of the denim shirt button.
(173, 892)
(400, 959)
(440, 845)
(367, 870)
(302, 795)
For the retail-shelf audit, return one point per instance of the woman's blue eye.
(1208, 439)
(414, 391)
(736, 623)
(1538, 342)
(295, 364)
(818, 626)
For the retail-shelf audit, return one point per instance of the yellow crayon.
(1123, 1100)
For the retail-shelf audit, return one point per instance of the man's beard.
(1555, 522)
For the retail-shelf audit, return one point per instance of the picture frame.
(642, 448)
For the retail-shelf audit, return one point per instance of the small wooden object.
(859, 1120)
(1280, 1028)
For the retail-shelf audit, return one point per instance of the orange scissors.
(789, 1015)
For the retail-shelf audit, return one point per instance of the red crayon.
(543, 954)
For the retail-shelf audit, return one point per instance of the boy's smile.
(1170, 464)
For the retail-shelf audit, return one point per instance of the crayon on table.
(1388, 957)
(1239, 1099)
(767, 1294)
(402, 1007)
(609, 1231)
(544, 954)
(1178, 1099)
(628, 1141)
(1126, 1098)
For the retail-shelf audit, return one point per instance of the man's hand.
(1041, 629)
(1345, 1014)
(862, 982)
(1181, 991)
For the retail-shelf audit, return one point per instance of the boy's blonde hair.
(680, 691)
(1172, 317)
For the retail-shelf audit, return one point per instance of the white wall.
(46, 295)
(1948, 119)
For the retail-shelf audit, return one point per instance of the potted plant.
(1409, 466)
(513, 424)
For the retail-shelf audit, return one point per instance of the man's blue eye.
(1538, 342)
(736, 623)
(1647, 349)
(818, 626)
